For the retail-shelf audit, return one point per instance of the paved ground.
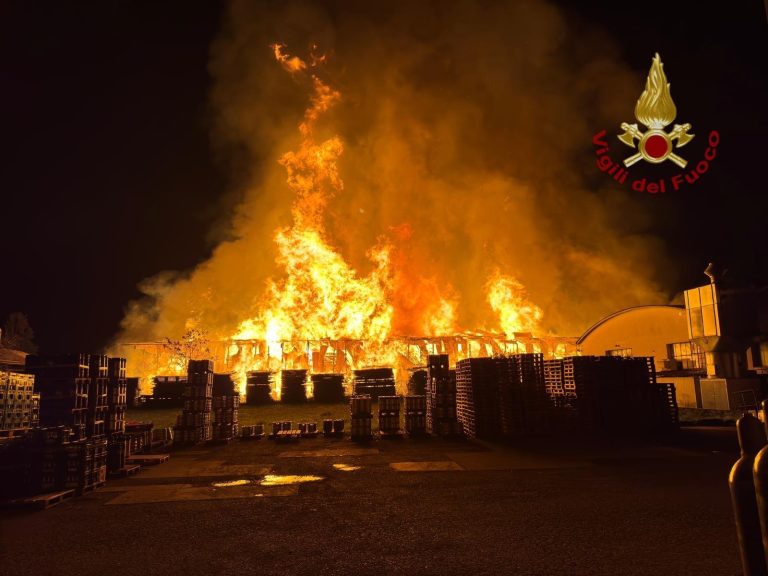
(398, 507)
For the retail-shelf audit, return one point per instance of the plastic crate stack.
(478, 388)
(612, 393)
(416, 415)
(389, 416)
(554, 383)
(118, 444)
(328, 388)
(19, 404)
(374, 382)
(168, 391)
(139, 435)
(258, 387)
(193, 425)
(95, 468)
(63, 384)
(525, 405)
(362, 417)
(48, 460)
(97, 397)
(225, 412)
(293, 386)
(224, 385)
(442, 418)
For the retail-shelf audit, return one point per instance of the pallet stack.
(193, 425)
(293, 386)
(258, 388)
(389, 416)
(664, 412)
(95, 468)
(441, 397)
(19, 404)
(168, 391)
(139, 435)
(416, 415)
(97, 396)
(614, 393)
(52, 461)
(225, 416)
(224, 385)
(118, 444)
(478, 386)
(63, 384)
(374, 382)
(328, 388)
(362, 417)
(525, 405)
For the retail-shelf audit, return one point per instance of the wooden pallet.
(41, 501)
(147, 459)
(129, 470)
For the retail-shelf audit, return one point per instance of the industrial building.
(714, 349)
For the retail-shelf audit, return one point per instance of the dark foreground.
(413, 507)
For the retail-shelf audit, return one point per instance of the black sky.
(107, 174)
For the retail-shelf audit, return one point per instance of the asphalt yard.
(403, 506)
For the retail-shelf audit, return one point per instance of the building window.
(623, 352)
(689, 354)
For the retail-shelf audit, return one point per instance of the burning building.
(388, 232)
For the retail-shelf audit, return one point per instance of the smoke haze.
(465, 126)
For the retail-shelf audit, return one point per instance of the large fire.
(323, 314)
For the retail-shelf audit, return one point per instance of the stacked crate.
(441, 397)
(168, 391)
(362, 417)
(328, 388)
(118, 444)
(95, 468)
(478, 386)
(225, 416)
(224, 385)
(258, 387)
(63, 384)
(374, 382)
(54, 462)
(19, 404)
(554, 383)
(293, 386)
(193, 425)
(416, 415)
(525, 405)
(139, 436)
(97, 396)
(389, 415)
(612, 393)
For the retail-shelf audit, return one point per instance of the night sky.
(108, 175)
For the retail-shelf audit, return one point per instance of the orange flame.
(509, 300)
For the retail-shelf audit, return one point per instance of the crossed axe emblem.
(655, 145)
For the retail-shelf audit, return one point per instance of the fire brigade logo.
(655, 110)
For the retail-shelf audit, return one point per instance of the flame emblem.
(655, 109)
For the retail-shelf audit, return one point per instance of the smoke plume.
(466, 129)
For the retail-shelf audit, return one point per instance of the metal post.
(751, 439)
(760, 476)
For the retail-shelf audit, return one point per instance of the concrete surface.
(398, 507)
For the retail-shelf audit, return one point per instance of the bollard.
(751, 439)
(761, 484)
